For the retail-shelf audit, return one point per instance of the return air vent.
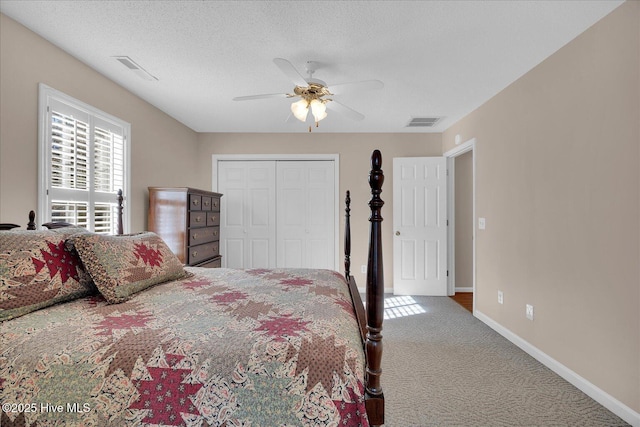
(423, 122)
(131, 64)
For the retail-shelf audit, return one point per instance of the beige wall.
(355, 151)
(558, 182)
(464, 220)
(162, 149)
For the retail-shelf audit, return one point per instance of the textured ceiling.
(436, 58)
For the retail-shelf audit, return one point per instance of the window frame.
(48, 96)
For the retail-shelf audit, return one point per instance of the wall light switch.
(500, 297)
(529, 311)
(482, 223)
(363, 269)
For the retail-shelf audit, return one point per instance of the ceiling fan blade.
(266, 95)
(362, 85)
(290, 71)
(344, 110)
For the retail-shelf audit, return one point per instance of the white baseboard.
(464, 288)
(591, 390)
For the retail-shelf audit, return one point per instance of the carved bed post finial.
(119, 212)
(375, 284)
(31, 225)
(347, 236)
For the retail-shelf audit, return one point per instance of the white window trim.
(45, 94)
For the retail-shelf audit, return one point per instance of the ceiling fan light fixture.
(313, 94)
(318, 109)
(300, 109)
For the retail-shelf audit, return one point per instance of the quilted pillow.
(122, 265)
(36, 271)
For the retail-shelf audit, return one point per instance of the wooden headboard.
(31, 225)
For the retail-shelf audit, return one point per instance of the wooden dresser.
(188, 220)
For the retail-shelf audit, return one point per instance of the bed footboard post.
(375, 296)
(31, 225)
(119, 212)
(347, 236)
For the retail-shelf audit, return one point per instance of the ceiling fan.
(315, 95)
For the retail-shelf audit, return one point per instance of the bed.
(114, 330)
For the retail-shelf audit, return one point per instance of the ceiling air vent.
(131, 64)
(423, 122)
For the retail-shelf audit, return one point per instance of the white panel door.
(248, 214)
(420, 226)
(306, 214)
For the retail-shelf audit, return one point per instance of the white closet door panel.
(292, 251)
(318, 252)
(248, 213)
(259, 251)
(292, 208)
(317, 214)
(259, 198)
(277, 213)
(306, 212)
(234, 252)
(233, 207)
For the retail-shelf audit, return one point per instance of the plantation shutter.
(85, 159)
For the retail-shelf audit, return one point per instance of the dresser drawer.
(215, 204)
(213, 263)
(197, 219)
(213, 218)
(195, 202)
(206, 203)
(188, 219)
(201, 253)
(198, 236)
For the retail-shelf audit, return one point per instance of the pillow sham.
(36, 271)
(123, 265)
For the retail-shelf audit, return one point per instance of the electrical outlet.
(500, 297)
(529, 312)
(482, 223)
(363, 269)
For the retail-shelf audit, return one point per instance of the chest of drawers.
(188, 220)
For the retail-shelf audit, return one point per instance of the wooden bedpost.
(119, 213)
(347, 236)
(31, 225)
(375, 296)
(353, 287)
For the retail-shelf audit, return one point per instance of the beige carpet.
(443, 367)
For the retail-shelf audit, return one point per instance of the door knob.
(397, 233)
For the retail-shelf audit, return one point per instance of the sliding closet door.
(248, 213)
(305, 214)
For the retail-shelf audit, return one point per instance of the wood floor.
(465, 299)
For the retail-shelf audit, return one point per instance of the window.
(83, 163)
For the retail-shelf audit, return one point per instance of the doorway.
(461, 234)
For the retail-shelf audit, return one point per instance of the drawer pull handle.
(215, 204)
(198, 219)
(215, 233)
(206, 203)
(213, 218)
(195, 236)
(196, 202)
(194, 254)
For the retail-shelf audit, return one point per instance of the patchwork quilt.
(223, 347)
